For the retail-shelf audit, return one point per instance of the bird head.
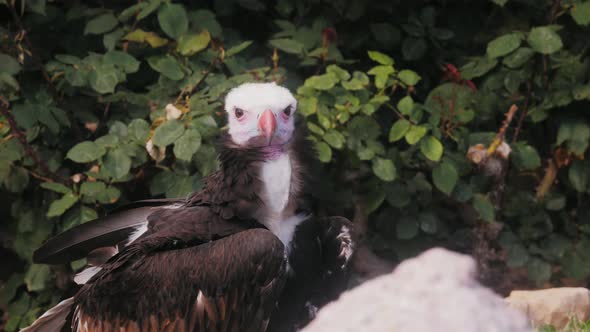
(260, 114)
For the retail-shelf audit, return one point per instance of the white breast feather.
(276, 177)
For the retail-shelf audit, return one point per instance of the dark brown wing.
(108, 231)
(164, 284)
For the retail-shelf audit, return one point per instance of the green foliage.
(105, 105)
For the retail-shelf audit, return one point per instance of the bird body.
(243, 251)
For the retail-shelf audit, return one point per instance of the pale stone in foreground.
(553, 306)
(436, 291)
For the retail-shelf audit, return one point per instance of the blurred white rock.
(436, 291)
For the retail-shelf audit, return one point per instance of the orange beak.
(267, 124)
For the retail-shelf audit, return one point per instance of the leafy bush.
(106, 104)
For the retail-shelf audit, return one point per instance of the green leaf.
(204, 19)
(445, 177)
(477, 68)
(381, 73)
(8, 65)
(539, 271)
(109, 196)
(10, 287)
(60, 206)
(131, 11)
(8, 82)
(525, 157)
(79, 215)
(110, 39)
(398, 195)
(307, 106)
(428, 222)
(238, 48)
(37, 277)
(399, 129)
(340, 73)
(415, 134)
(579, 175)
(321, 82)
(504, 45)
(373, 199)
(381, 58)
(150, 8)
(363, 128)
(544, 40)
(117, 163)
(314, 128)
(518, 255)
(168, 133)
(582, 92)
(191, 43)
(104, 79)
(167, 66)
(57, 187)
(287, 45)
(122, 60)
(555, 202)
(92, 189)
(173, 20)
(334, 138)
(519, 57)
(384, 169)
(101, 24)
(483, 206)
(141, 36)
(409, 77)
(85, 152)
(431, 148)
(414, 48)
(407, 228)
(139, 130)
(187, 145)
(580, 12)
(406, 105)
(324, 152)
(576, 132)
(107, 141)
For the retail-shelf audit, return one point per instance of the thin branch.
(38, 62)
(502, 132)
(523, 114)
(399, 114)
(214, 62)
(38, 176)
(22, 138)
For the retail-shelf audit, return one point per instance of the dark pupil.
(287, 111)
(239, 112)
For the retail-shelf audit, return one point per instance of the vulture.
(245, 253)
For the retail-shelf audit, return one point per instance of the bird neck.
(274, 152)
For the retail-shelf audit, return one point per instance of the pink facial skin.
(249, 104)
(249, 130)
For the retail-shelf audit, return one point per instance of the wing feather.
(79, 241)
(230, 284)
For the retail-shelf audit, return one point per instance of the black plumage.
(207, 263)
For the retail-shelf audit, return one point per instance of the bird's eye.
(238, 112)
(287, 111)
